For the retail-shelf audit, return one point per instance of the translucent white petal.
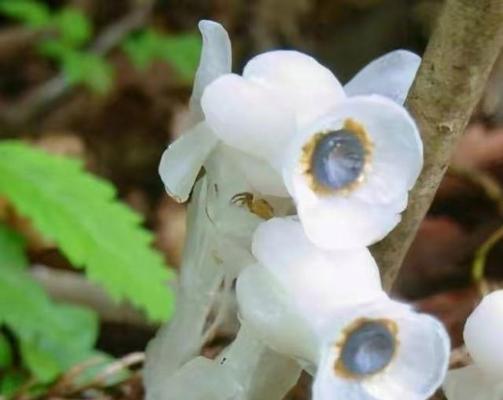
(183, 159)
(247, 116)
(216, 60)
(344, 223)
(483, 334)
(232, 223)
(299, 80)
(268, 309)
(390, 75)
(319, 281)
(420, 363)
(325, 387)
(260, 175)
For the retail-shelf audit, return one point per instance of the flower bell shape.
(296, 286)
(483, 333)
(382, 351)
(347, 157)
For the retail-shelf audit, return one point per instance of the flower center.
(336, 160)
(367, 348)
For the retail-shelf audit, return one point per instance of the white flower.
(350, 171)
(226, 170)
(348, 162)
(383, 351)
(327, 309)
(296, 286)
(181, 163)
(483, 335)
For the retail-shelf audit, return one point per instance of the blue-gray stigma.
(367, 349)
(336, 160)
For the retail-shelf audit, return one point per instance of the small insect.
(257, 206)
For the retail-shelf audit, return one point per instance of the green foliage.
(79, 212)
(74, 30)
(5, 352)
(12, 252)
(73, 26)
(32, 13)
(52, 336)
(10, 382)
(181, 51)
(89, 69)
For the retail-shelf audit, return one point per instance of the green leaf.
(32, 13)
(73, 26)
(42, 364)
(12, 249)
(183, 53)
(142, 48)
(11, 381)
(53, 337)
(54, 48)
(180, 51)
(5, 352)
(80, 213)
(88, 69)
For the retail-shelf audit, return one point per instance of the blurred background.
(106, 84)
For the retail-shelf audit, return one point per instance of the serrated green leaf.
(88, 69)
(79, 212)
(12, 249)
(73, 26)
(53, 337)
(32, 13)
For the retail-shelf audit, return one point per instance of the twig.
(479, 261)
(122, 364)
(66, 381)
(49, 93)
(455, 68)
(75, 288)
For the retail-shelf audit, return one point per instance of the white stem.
(263, 373)
(246, 370)
(200, 278)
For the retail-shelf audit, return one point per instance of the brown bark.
(462, 50)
